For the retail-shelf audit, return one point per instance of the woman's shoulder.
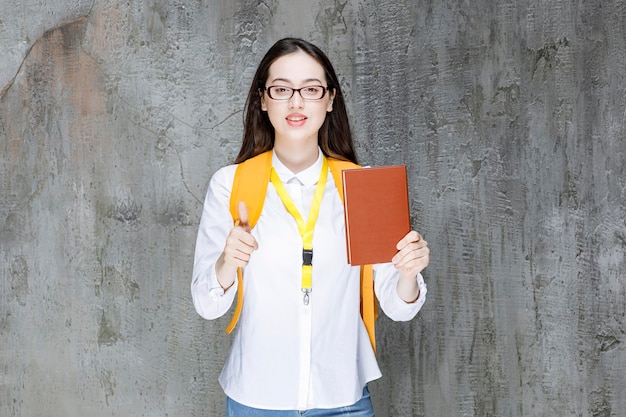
(226, 170)
(223, 178)
(256, 168)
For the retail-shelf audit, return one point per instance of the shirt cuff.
(422, 287)
(400, 310)
(215, 289)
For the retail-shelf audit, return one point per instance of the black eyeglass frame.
(293, 91)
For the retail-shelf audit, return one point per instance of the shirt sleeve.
(209, 298)
(385, 286)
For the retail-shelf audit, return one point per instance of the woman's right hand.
(237, 251)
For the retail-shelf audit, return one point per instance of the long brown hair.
(334, 137)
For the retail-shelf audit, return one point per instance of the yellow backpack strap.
(336, 167)
(369, 306)
(250, 186)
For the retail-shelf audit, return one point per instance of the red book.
(376, 210)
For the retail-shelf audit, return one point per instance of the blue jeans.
(362, 408)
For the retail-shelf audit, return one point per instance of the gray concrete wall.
(510, 116)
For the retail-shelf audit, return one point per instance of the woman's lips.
(296, 119)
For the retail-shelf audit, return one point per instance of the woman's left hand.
(413, 255)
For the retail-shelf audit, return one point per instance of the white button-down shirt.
(286, 355)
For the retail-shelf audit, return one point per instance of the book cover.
(376, 210)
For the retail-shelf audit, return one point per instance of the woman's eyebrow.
(308, 80)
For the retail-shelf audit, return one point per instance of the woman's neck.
(297, 157)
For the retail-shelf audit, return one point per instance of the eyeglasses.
(311, 92)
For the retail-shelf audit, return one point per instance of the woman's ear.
(331, 96)
(263, 104)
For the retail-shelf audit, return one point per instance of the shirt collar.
(308, 177)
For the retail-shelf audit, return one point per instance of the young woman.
(293, 354)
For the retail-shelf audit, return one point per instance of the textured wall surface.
(509, 114)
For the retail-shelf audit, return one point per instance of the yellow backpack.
(250, 186)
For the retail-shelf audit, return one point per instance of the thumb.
(243, 216)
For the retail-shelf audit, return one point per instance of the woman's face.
(296, 119)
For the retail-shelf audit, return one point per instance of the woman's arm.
(211, 300)
(399, 285)
(412, 257)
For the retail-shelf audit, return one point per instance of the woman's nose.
(296, 100)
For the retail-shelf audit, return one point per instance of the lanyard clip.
(307, 256)
(306, 298)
